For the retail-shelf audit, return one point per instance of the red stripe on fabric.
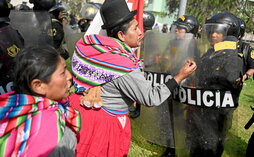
(100, 62)
(115, 59)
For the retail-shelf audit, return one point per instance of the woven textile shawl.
(33, 126)
(99, 59)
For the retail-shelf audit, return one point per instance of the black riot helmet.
(43, 4)
(5, 8)
(227, 19)
(148, 20)
(59, 7)
(89, 10)
(189, 23)
(242, 28)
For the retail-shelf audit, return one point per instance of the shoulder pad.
(252, 54)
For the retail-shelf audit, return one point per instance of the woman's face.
(60, 82)
(133, 35)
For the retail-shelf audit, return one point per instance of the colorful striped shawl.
(33, 126)
(99, 59)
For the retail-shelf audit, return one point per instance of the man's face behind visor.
(215, 32)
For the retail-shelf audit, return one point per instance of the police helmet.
(148, 19)
(43, 4)
(242, 28)
(89, 10)
(5, 8)
(188, 22)
(227, 19)
(22, 6)
(60, 6)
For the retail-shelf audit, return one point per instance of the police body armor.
(248, 54)
(34, 26)
(10, 47)
(156, 123)
(204, 104)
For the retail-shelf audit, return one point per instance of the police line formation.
(193, 76)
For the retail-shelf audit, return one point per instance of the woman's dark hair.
(34, 63)
(123, 27)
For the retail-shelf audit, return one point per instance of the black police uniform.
(58, 37)
(248, 54)
(58, 33)
(207, 126)
(11, 43)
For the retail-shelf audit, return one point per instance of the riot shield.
(162, 54)
(34, 26)
(71, 37)
(204, 105)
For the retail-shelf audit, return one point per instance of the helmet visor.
(176, 29)
(214, 32)
(215, 28)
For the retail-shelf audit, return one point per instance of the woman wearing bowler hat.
(108, 78)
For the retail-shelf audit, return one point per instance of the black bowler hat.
(115, 12)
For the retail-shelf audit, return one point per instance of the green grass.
(237, 138)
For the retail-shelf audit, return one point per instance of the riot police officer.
(186, 24)
(247, 51)
(220, 76)
(183, 45)
(11, 43)
(57, 15)
(88, 12)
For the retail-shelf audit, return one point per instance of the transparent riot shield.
(205, 103)
(34, 26)
(71, 37)
(163, 53)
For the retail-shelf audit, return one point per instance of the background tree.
(75, 6)
(206, 8)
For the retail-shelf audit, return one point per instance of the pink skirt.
(101, 134)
